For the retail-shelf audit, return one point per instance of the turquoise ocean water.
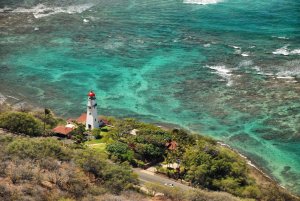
(228, 69)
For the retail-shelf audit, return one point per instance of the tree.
(47, 117)
(149, 152)
(118, 178)
(20, 122)
(183, 137)
(78, 134)
(96, 132)
(121, 151)
(38, 149)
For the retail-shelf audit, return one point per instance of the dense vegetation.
(202, 162)
(44, 169)
(21, 122)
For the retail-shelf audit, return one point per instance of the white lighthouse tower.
(92, 120)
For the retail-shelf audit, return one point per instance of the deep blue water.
(230, 70)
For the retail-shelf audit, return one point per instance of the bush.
(215, 168)
(19, 122)
(6, 193)
(78, 134)
(21, 173)
(114, 177)
(97, 133)
(119, 178)
(38, 149)
(121, 151)
(47, 117)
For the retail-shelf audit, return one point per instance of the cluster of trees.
(202, 161)
(33, 124)
(20, 122)
(216, 168)
(147, 145)
(44, 169)
(38, 123)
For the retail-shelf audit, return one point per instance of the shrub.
(114, 177)
(119, 178)
(215, 168)
(5, 193)
(47, 117)
(78, 134)
(121, 151)
(97, 133)
(20, 122)
(37, 149)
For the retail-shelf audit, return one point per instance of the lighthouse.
(92, 120)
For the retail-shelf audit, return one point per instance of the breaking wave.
(2, 99)
(223, 72)
(41, 10)
(285, 51)
(201, 2)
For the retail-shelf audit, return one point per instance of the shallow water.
(229, 70)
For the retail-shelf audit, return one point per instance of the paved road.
(147, 176)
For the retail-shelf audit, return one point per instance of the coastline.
(260, 175)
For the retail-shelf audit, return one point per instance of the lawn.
(98, 148)
(93, 142)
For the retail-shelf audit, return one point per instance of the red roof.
(81, 119)
(91, 94)
(171, 145)
(62, 130)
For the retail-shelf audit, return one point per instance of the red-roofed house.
(81, 119)
(172, 145)
(63, 131)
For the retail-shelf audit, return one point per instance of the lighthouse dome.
(91, 94)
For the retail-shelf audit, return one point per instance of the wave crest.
(41, 10)
(285, 51)
(201, 2)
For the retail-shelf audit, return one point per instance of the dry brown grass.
(176, 194)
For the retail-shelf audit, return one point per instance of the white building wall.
(92, 120)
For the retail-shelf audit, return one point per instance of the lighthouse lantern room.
(92, 120)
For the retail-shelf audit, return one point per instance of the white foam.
(285, 77)
(5, 9)
(295, 51)
(285, 51)
(288, 74)
(41, 10)
(237, 51)
(245, 54)
(201, 2)
(281, 37)
(235, 47)
(282, 51)
(13, 97)
(207, 45)
(2, 98)
(223, 72)
(245, 63)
